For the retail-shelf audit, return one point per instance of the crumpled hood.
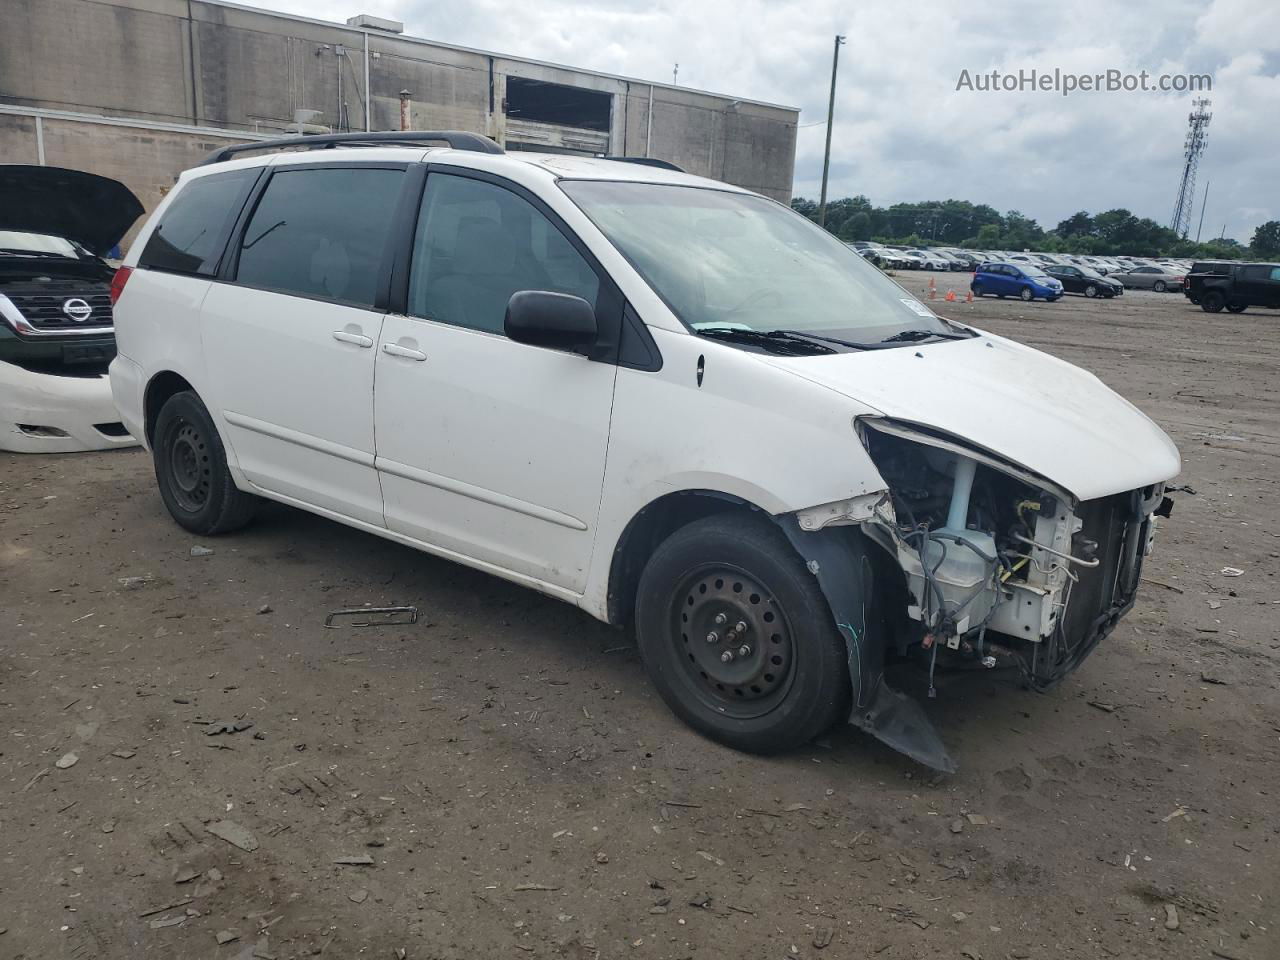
(93, 211)
(1028, 407)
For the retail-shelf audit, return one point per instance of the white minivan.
(670, 401)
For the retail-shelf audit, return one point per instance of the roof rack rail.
(457, 139)
(649, 162)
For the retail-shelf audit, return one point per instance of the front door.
(488, 449)
(289, 342)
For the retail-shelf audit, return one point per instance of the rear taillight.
(118, 281)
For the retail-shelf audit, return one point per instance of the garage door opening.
(536, 101)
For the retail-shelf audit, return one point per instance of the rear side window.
(321, 233)
(192, 233)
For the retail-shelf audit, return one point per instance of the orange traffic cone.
(969, 297)
(933, 289)
(951, 296)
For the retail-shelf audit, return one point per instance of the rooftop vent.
(367, 22)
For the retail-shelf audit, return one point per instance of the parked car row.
(1079, 273)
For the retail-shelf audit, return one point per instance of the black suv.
(1236, 286)
(56, 226)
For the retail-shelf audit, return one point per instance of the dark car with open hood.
(57, 227)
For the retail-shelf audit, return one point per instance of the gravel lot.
(518, 790)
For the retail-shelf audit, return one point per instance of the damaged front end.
(981, 563)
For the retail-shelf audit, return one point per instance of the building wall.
(209, 65)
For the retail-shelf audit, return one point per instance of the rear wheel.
(1026, 294)
(738, 638)
(1237, 307)
(191, 469)
(1212, 302)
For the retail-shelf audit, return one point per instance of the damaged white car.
(56, 337)
(674, 403)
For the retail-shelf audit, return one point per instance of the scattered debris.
(214, 875)
(266, 608)
(1232, 572)
(358, 896)
(1214, 604)
(134, 583)
(957, 825)
(34, 780)
(226, 936)
(168, 906)
(822, 938)
(602, 857)
(1210, 678)
(977, 819)
(711, 857)
(1180, 812)
(234, 834)
(1170, 917)
(1161, 583)
(124, 754)
(66, 761)
(373, 617)
(185, 875)
(161, 922)
(108, 826)
(199, 551)
(702, 901)
(1103, 706)
(521, 887)
(228, 726)
(363, 860)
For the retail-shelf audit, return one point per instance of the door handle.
(346, 336)
(395, 350)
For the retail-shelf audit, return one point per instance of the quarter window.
(190, 235)
(478, 243)
(321, 233)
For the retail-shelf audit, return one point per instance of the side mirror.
(545, 319)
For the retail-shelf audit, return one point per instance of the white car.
(674, 403)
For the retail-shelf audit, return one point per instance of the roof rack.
(457, 139)
(649, 162)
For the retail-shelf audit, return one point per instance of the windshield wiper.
(910, 336)
(34, 253)
(779, 341)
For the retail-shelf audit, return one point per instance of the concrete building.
(139, 90)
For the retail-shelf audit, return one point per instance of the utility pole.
(675, 75)
(831, 112)
(1203, 203)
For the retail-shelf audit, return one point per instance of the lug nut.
(744, 651)
(740, 626)
(713, 637)
(726, 657)
(721, 618)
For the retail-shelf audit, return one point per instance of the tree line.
(959, 223)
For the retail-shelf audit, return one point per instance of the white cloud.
(903, 131)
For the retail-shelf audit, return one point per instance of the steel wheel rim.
(190, 472)
(710, 606)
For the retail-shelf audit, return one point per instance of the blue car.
(1015, 280)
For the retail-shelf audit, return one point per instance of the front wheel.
(738, 638)
(191, 469)
(1026, 294)
(1091, 290)
(1159, 286)
(976, 288)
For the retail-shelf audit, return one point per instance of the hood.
(1025, 406)
(93, 211)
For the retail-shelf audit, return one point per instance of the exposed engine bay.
(999, 565)
(981, 564)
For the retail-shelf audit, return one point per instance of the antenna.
(1193, 149)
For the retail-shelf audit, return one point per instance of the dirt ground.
(509, 785)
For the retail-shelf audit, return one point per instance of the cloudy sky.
(903, 131)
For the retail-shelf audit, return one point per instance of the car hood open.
(93, 211)
(1024, 406)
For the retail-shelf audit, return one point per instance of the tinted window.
(1259, 271)
(477, 244)
(321, 233)
(194, 227)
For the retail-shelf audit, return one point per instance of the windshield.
(13, 241)
(721, 259)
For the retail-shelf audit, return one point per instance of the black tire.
(976, 288)
(1159, 286)
(792, 686)
(1213, 302)
(191, 469)
(1237, 307)
(1091, 290)
(1026, 295)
